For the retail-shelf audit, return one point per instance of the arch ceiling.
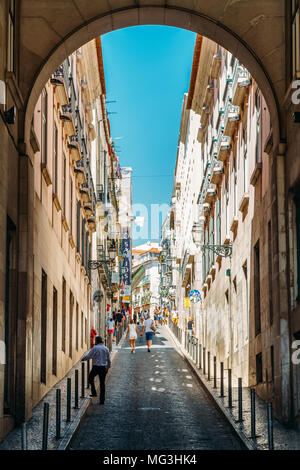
(253, 30)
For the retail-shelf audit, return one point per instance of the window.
(44, 125)
(54, 333)
(78, 227)
(86, 331)
(71, 206)
(259, 369)
(81, 329)
(211, 240)
(11, 37)
(71, 324)
(258, 143)
(83, 242)
(245, 162)
(218, 222)
(86, 254)
(77, 326)
(295, 39)
(257, 315)
(44, 328)
(272, 364)
(226, 207)
(64, 289)
(203, 267)
(245, 271)
(64, 186)
(297, 204)
(55, 157)
(234, 186)
(270, 260)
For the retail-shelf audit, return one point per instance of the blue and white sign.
(195, 296)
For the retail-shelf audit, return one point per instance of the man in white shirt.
(148, 323)
(101, 363)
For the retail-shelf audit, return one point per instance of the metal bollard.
(88, 373)
(203, 365)
(45, 426)
(215, 372)
(240, 394)
(82, 379)
(222, 379)
(229, 389)
(76, 390)
(270, 427)
(253, 417)
(200, 356)
(58, 413)
(208, 365)
(68, 399)
(24, 436)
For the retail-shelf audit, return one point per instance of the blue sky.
(147, 72)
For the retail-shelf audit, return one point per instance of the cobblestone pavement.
(35, 424)
(153, 403)
(285, 438)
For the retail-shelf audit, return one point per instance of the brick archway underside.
(251, 30)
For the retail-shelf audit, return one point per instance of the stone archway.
(250, 30)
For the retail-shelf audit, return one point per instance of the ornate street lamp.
(95, 264)
(224, 251)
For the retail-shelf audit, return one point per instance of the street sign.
(195, 296)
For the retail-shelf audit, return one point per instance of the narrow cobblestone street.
(153, 402)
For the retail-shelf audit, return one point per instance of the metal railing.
(203, 361)
(75, 390)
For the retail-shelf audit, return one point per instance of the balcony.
(204, 115)
(206, 207)
(91, 222)
(74, 147)
(216, 64)
(231, 117)
(92, 132)
(67, 117)
(210, 193)
(88, 209)
(225, 145)
(80, 175)
(244, 204)
(217, 173)
(209, 95)
(60, 89)
(84, 195)
(240, 83)
(234, 225)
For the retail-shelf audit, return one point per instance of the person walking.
(110, 324)
(150, 331)
(101, 363)
(132, 331)
(190, 326)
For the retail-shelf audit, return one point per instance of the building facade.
(225, 144)
(145, 278)
(75, 222)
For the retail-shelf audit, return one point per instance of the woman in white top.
(132, 331)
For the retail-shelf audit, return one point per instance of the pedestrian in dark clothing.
(101, 363)
(119, 317)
